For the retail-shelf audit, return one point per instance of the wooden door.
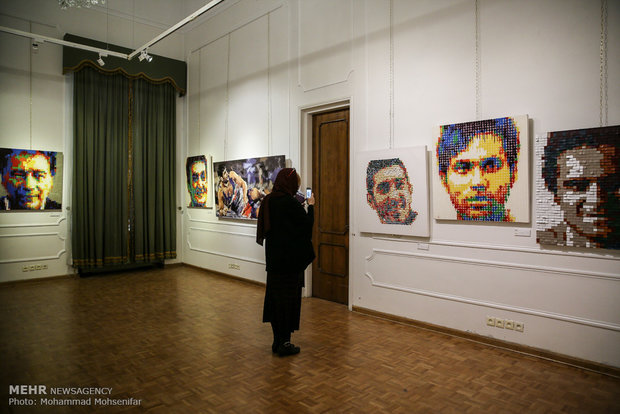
(330, 178)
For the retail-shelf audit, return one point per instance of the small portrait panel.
(240, 185)
(481, 171)
(197, 171)
(396, 196)
(578, 188)
(31, 180)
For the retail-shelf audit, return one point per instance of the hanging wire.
(227, 100)
(477, 63)
(603, 64)
(391, 74)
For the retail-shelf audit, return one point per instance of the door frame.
(305, 158)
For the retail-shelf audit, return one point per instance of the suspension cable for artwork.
(477, 58)
(603, 64)
(227, 100)
(391, 74)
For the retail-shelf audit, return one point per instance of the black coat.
(288, 246)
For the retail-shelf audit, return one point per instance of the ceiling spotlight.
(100, 60)
(36, 42)
(145, 55)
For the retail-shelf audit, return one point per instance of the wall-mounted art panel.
(31, 180)
(481, 170)
(198, 174)
(577, 188)
(395, 200)
(240, 185)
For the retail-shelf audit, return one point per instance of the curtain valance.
(161, 70)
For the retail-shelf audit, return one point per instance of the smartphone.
(308, 192)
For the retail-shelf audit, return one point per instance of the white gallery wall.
(258, 68)
(36, 110)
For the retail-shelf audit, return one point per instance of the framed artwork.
(578, 188)
(481, 171)
(31, 180)
(199, 176)
(240, 185)
(395, 196)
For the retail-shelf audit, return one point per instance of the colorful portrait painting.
(578, 188)
(481, 171)
(31, 180)
(395, 200)
(240, 185)
(198, 175)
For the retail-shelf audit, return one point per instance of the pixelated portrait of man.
(478, 165)
(581, 169)
(389, 191)
(31, 180)
(197, 173)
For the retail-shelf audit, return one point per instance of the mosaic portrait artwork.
(578, 188)
(31, 180)
(198, 178)
(393, 191)
(240, 185)
(481, 171)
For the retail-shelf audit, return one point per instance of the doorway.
(330, 178)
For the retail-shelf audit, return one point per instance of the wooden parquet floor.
(183, 340)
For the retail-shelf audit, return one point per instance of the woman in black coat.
(287, 229)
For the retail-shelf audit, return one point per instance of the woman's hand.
(310, 200)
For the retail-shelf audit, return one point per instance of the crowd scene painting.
(240, 185)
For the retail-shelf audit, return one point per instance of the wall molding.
(349, 42)
(33, 235)
(493, 263)
(32, 259)
(237, 27)
(223, 232)
(483, 303)
(18, 225)
(508, 248)
(230, 256)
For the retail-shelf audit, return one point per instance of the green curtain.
(154, 185)
(123, 176)
(99, 218)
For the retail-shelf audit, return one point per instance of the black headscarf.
(287, 183)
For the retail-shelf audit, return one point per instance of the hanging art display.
(240, 185)
(578, 188)
(395, 200)
(480, 171)
(31, 180)
(199, 176)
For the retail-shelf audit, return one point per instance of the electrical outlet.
(509, 325)
(490, 321)
(234, 266)
(24, 268)
(38, 267)
(519, 326)
(44, 266)
(499, 323)
(32, 268)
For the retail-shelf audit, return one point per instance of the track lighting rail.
(142, 50)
